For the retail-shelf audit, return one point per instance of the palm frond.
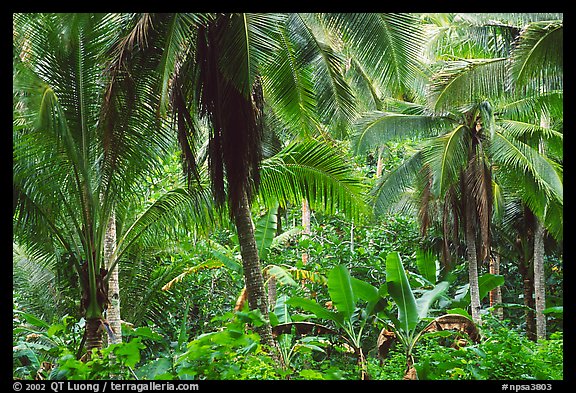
(334, 96)
(461, 82)
(246, 41)
(447, 156)
(288, 83)
(376, 127)
(314, 171)
(389, 46)
(537, 58)
(393, 185)
(196, 205)
(537, 179)
(532, 134)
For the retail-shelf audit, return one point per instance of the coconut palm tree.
(478, 124)
(75, 159)
(221, 71)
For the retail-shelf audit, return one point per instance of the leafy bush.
(503, 354)
(230, 353)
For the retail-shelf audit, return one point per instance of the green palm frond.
(529, 107)
(388, 46)
(536, 178)
(314, 171)
(532, 134)
(461, 82)
(447, 157)
(177, 37)
(391, 187)
(537, 59)
(288, 81)
(246, 41)
(195, 205)
(376, 127)
(335, 99)
(38, 280)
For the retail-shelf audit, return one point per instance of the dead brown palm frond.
(455, 322)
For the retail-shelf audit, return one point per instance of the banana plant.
(349, 317)
(406, 327)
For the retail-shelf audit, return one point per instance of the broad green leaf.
(425, 301)
(281, 275)
(427, 265)
(32, 320)
(266, 231)
(129, 352)
(399, 289)
(157, 368)
(554, 310)
(459, 311)
(281, 310)
(341, 291)
(363, 290)
(488, 282)
(312, 306)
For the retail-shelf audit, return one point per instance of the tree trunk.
(472, 264)
(496, 293)
(93, 335)
(539, 281)
(305, 225)
(379, 163)
(528, 289)
(252, 270)
(113, 312)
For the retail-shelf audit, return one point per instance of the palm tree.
(221, 70)
(74, 140)
(475, 148)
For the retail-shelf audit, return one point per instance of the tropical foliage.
(287, 196)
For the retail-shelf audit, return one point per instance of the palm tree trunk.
(539, 281)
(379, 163)
(93, 334)
(472, 264)
(496, 293)
(305, 225)
(113, 312)
(252, 269)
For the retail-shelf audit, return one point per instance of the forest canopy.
(287, 196)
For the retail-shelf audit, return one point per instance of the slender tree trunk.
(305, 225)
(113, 312)
(379, 163)
(539, 281)
(496, 293)
(253, 271)
(526, 272)
(472, 264)
(539, 274)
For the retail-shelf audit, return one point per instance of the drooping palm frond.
(388, 46)
(393, 185)
(529, 107)
(314, 171)
(537, 179)
(35, 280)
(376, 128)
(336, 103)
(246, 41)
(447, 157)
(197, 206)
(461, 82)
(288, 80)
(532, 134)
(537, 58)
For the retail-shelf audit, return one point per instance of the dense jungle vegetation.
(288, 196)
